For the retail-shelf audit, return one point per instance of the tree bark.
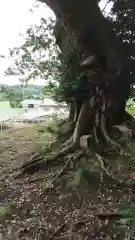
(72, 110)
(88, 30)
(83, 27)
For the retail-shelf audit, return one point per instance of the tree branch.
(106, 5)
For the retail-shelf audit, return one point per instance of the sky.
(15, 18)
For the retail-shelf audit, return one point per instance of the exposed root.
(52, 144)
(37, 164)
(108, 140)
(54, 181)
(69, 141)
(70, 158)
(103, 165)
(34, 158)
(77, 156)
(119, 182)
(105, 169)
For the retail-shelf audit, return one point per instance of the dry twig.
(73, 158)
(58, 230)
(105, 169)
(105, 5)
(111, 215)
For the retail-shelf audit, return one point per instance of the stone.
(85, 141)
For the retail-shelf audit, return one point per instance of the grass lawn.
(4, 104)
(7, 111)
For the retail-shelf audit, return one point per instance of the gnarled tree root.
(37, 164)
(102, 165)
(41, 163)
(98, 131)
(118, 182)
(62, 171)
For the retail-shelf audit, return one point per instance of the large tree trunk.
(81, 25)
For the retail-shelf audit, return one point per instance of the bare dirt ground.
(29, 210)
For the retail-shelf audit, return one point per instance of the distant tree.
(36, 57)
(14, 94)
(2, 56)
(40, 57)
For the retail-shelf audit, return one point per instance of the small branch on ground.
(118, 181)
(80, 221)
(109, 215)
(57, 176)
(102, 165)
(105, 169)
(58, 229)
(37, 164)
(33, 159)
(73, 158)
(54, 181)
(105, 6)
